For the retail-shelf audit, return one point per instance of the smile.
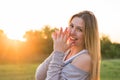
(73, 39)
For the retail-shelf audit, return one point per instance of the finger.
(64, 34)
(65, 38)
(56, 33)
(60, 33)
(61, 30)
(69, 44)
(68, 31)
(65, 31)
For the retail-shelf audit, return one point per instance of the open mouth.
(73, 39)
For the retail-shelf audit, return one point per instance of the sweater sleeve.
(41, 70)
(57, 70)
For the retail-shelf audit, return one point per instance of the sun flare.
(15, 35)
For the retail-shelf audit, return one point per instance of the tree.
(109, 49)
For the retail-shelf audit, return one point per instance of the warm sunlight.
(15, 35)
(16, 17)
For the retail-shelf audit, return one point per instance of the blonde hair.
(92, 42)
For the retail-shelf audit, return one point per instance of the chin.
(73, 44)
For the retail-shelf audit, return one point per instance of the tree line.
(39, 45)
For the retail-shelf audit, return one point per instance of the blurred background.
(26, 27)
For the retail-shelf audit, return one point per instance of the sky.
(18, 16)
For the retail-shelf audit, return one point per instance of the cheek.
(80, 35)
(81, 38)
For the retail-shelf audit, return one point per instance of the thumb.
(69, 44)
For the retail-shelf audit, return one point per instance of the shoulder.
(83, 62)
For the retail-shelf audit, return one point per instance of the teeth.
(73, 38)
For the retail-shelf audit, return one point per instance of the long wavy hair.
(92, 41)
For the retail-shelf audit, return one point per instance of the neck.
(75, 50)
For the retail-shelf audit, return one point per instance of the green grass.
(17, 71)
(110, 70)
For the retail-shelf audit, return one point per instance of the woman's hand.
(60, 39)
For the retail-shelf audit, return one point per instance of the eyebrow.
(79, 27)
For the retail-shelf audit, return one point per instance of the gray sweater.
(55, 68)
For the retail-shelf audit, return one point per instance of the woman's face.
(77, 29)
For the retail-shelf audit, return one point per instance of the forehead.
(77, 21)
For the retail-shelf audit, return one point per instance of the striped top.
(55, 67)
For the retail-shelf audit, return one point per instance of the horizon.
(23, 39)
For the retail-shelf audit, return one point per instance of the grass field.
(110, 70)
(17, 71)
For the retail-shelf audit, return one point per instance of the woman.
(76, 52)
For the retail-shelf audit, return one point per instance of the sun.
(15, 35)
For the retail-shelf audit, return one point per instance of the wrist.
(60, 51)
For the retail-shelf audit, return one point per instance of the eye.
(79, 29)
(71, 26)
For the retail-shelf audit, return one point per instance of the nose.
(72, 31)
